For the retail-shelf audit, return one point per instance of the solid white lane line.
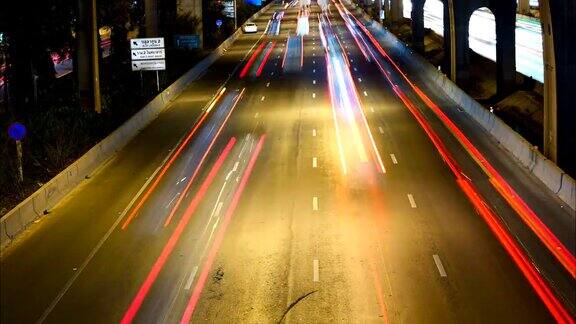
(191, 278)
(315, 203)
(381, 129)
(263, 97)
(314, 162)
(393, 157)
(314, 132)
(412, 201)
(439, 266)
(316, 271)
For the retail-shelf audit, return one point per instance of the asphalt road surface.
(308, 195)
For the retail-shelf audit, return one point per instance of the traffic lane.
(256, 256)
(482, 280)
(259, 233)
(27, 285)
(433, 187)
(170, 293)
(550, 210)
(326, 270)
(104, 291)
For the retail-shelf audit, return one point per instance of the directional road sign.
(149, 65)
(145, 43)
(148, 54)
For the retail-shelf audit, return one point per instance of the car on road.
(250, 28)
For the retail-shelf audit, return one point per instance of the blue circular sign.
(218, 22)
(17, 131)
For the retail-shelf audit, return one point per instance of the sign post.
(148, 54)
(17, 131)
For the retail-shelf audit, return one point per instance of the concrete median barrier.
(40, 202)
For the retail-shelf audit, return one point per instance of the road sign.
(228, 10)
(16, 131)
(187, 41)
(148, 54)
(149, 65)
(145, 43)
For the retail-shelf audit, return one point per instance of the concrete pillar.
(151, 17)
(386, 8)
(460, 47)
(557, 17)
(505, 17)
(396, 14)
(417, 17)
(378, 4)
(449, 64)
(524, 6)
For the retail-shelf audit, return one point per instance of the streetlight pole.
(95, 63)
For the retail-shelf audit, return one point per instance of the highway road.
(529, 57)
(285, 185)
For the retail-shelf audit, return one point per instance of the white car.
(250, 28)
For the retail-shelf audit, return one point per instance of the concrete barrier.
(527, 156)
(40, 202)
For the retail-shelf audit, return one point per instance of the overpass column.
(460, 56)
(505, 16)
(448, 64)
(559, 80)
(417, 16)
(524, 6)
(396, 14)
